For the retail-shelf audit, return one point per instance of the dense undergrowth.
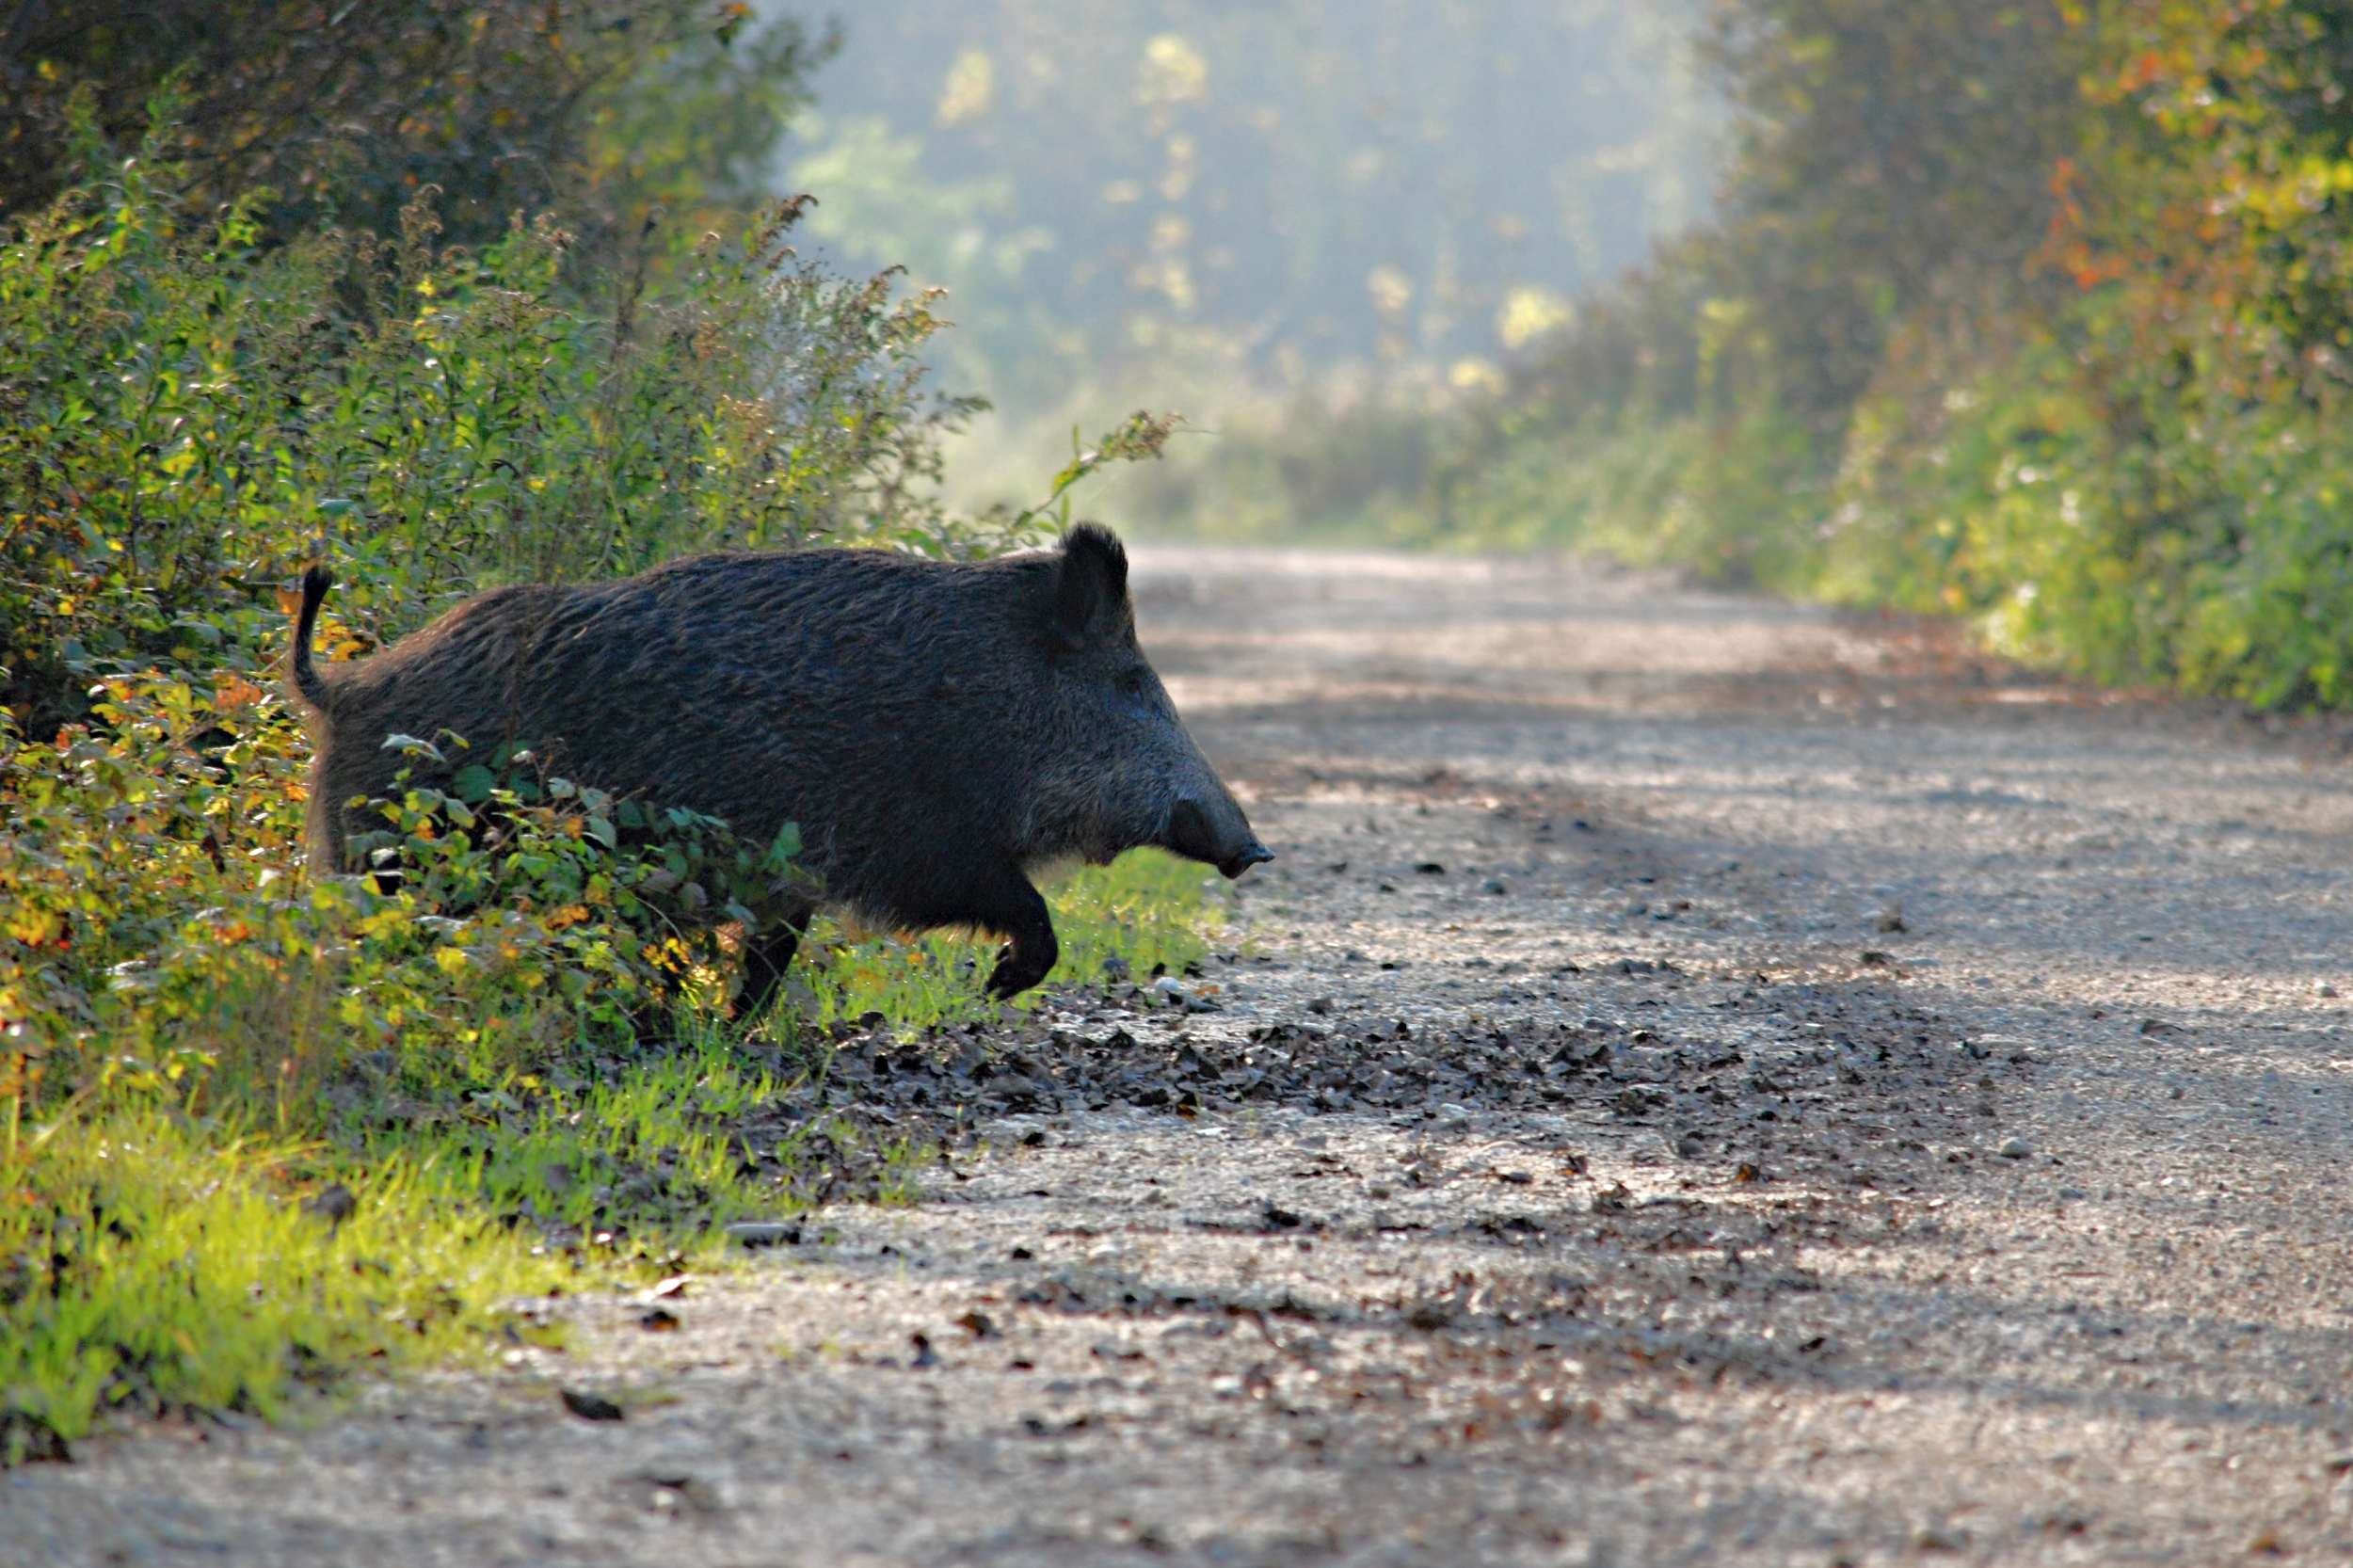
(258, 1126)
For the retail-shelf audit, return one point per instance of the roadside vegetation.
(2033, 314)
(260, 1126)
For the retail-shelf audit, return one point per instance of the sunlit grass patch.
(212, 1235)
(149, 1264)
(1148, 909)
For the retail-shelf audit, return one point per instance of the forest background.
(2033, 312)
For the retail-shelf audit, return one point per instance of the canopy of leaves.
(602, 108)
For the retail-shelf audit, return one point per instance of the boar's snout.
(1215, 833)
(1256, 854)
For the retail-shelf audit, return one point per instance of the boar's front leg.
(1027, 956)
(767, 953)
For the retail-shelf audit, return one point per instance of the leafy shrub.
(2035, 317)
(186, 415)
(604, 109)
(161, 939)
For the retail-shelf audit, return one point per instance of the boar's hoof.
(1020, 966)
(1027, 957)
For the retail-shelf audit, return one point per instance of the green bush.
(189, 414)
(611, 111)
(2033, 317)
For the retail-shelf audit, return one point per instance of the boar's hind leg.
(1016, 909)
(767, 953)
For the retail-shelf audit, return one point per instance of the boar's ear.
(1090, 587)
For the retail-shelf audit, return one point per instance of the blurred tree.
(603, 108)
(1285, 187)
(1888, 160)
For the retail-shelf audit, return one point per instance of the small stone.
(1320, 1006)
(675, 1490)
(590, 1407)
(2321, 988)
(1494, 885)
(2016, 1148)
(763, 1233)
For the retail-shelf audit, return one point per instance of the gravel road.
(1707, 1082)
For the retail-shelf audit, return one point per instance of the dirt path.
(1704, 1087)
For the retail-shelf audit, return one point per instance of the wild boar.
(939, 730)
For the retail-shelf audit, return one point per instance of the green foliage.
(190, 415)
(2149, 486)
(2033, 315)
(613, 111)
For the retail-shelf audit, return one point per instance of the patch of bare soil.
(1707, 1082)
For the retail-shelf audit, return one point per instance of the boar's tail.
(307, 679)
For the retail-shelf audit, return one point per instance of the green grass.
(158, 1257)
(1150, 910)
(153, 1263)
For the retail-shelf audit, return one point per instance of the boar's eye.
(1135, 681)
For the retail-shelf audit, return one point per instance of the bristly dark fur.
(935, 729)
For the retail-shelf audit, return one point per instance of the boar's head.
(1123, 772)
